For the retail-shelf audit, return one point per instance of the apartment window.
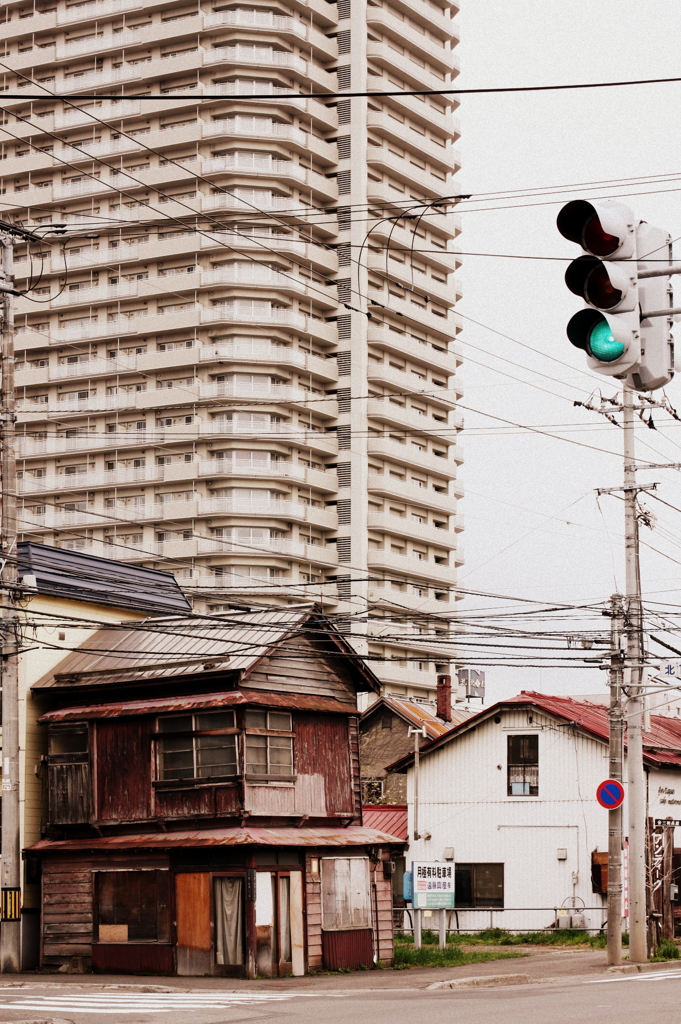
(200, 746)
(523, 765)
(479, 885)
(269, 745)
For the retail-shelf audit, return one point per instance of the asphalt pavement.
(594, 995)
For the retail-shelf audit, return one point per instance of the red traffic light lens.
(596, 240)
(599, 289)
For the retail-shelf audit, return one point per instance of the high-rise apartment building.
(241, 363)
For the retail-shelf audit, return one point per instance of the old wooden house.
(205, 801)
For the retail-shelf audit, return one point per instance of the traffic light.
(610, 330)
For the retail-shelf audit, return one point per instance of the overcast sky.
(533, 526)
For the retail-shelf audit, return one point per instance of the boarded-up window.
(132, 906)
(345, 893)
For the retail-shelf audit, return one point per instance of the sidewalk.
(539, 964)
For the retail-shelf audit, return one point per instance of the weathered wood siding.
(322, 748)
(70, 794)
(302, 666)
(123, 766)
(185, 803)
(67, 907)
(313, 917)
(355, 768)
(383, 912)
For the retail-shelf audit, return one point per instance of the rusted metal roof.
(391, 818)
(230, 698)
(420, 715)
(353, 835)
(162, 648)
(661, 745)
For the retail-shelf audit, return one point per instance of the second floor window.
(523, 766)
(269, 744)
(198, 746)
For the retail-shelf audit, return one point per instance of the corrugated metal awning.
(390, 818)
(230, 698)
(353, 835)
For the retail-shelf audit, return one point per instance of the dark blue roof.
(79, 576)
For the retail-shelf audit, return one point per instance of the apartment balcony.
(278, 469)
(83, 296)
(401, 134)
(324, 117)
(408, 455)
(300, 141)
(407, 170)
(416, 44)
(416, 569)
(387, 486)
(263, 241)
(408, 527)
(61, 482)
(74, 117)
(435, 357)
(271, 167)
(413, 316)
(435, 19)
(283, 25)
(404, 242)
(231, 201)
(100, 43)
(320, 554)
(401, 678)
(273, 316)
(384, 596)
(424, 390)
(419, 109)
(266, 353)
(446, 293)
(289, 511)
(235, 583)
(383, 194)
(404, 418)
(267, 57)
(259, 276)
(387, 58)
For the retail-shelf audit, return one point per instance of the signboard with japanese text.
(432, 885)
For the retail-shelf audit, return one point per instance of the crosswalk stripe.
(649, 976)
(141, 1002)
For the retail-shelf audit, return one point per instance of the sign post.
(432, 889)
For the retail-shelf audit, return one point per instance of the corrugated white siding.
(463, 803)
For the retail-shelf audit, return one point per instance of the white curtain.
(229, 937)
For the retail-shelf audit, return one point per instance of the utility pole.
(10, 903)
(636, 793)
(615, 754)
(419, 733)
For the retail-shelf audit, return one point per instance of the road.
(632, 999)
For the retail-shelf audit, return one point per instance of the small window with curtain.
(523, 765)
(197, 746)
(269, 746)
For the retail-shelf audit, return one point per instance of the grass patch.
(500, 937)
(431, 956)
(667, 950)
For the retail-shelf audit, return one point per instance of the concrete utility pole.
(636, 793)
(10, 905)
(615, 754)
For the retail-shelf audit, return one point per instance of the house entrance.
(279, 923)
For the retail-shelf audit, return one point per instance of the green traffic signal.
(602, 343)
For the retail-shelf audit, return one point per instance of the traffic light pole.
(615, 754)
(636, 794)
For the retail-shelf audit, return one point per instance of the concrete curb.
(484, 981)
(665, 965)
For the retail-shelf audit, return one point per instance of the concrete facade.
(234, 379)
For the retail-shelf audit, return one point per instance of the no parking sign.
(610, 794)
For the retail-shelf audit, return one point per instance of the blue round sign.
(610, 794)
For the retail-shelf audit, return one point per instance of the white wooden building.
(510, 794)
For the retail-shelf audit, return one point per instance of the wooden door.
(192, 912)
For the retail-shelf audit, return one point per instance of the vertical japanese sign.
(433, 885)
